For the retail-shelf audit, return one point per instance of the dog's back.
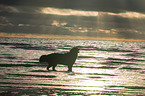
(48, 58)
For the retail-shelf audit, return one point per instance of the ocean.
(102, 68)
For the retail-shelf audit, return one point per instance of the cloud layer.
(65, 18)
(91, 5)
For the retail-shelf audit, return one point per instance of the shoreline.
(50, 36)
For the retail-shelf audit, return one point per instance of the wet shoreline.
(102, 68)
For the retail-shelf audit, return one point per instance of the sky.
(124, 19)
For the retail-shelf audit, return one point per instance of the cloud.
(68, 12)
(77, 19)
(129, 14)
(71, 12)
(4, 21)
(96, 7)
(4, 8)
(19, 9)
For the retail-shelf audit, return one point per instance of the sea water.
(102, 68)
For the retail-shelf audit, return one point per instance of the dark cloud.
(96, 5)
(10, 9)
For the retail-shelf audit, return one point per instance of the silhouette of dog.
(53, 59)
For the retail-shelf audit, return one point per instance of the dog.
(53, 59)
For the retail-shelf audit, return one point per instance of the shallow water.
(102, 68)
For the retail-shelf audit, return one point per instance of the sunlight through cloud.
(71, 12)
(132, 15)
(68, 12)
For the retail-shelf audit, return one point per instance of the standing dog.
(53, 59)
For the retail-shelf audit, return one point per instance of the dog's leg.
(54, 67)
(48, 67)
(70, 67)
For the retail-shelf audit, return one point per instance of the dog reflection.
(68, 59)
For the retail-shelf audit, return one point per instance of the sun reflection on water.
(92, 80)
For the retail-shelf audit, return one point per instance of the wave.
(29, 75)
(136, 54)
(36, 91)
(9, 56)
(102, 67)
(128, 87)
(113, 50)
(50, 47)
(27, 46)
(17, 65)
(96, 74)
(104, 49)
(86, 57)
(131, 68)
(118, 59)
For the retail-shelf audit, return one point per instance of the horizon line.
(51, 36)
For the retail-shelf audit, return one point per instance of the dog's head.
(75, 50)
